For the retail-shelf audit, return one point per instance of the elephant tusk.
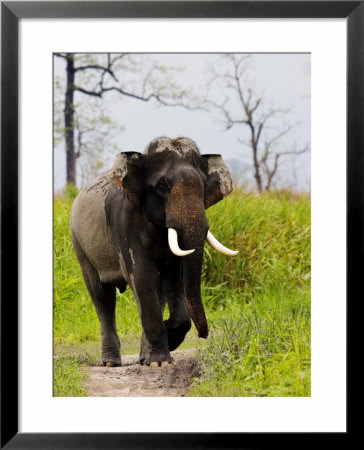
(173, 244)
(218, 246)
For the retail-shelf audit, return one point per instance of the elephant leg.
(104, 300)
(144, 354)
(179, 322)
(144, 344)
(154, 344)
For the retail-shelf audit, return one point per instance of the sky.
(282, 79)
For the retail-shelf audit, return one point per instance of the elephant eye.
(163, 185)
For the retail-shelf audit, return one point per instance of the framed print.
(34, 36)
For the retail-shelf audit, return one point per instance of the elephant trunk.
(192, 265)
(185, 214)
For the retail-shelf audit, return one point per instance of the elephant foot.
(162, 364)
(157, 360)
(109, 363)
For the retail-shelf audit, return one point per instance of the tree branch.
(96, 67)
(60, 55)
(85, 91)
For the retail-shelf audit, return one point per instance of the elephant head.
(173, 184)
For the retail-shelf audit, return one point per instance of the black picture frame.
(11, 12)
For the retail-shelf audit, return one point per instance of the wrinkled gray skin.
(119, 228)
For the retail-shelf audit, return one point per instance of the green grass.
(257, 304)
(68, 378)
(261, 348)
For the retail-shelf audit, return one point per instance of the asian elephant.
(143, 223)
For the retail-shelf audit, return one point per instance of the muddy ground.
(134, 380)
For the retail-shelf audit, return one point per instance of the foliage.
(257, 304)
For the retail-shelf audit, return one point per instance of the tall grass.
(257, 304)
(272, 233)
(260, 348)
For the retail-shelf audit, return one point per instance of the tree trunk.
(69, 122)
(257, 176)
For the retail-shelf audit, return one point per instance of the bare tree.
(94, 133)
(241, 105)
(95, 75)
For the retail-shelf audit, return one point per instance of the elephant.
(143, 224)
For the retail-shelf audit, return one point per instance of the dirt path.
(134, 380)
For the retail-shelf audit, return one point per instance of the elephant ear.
(126, 175)
(219, 182)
